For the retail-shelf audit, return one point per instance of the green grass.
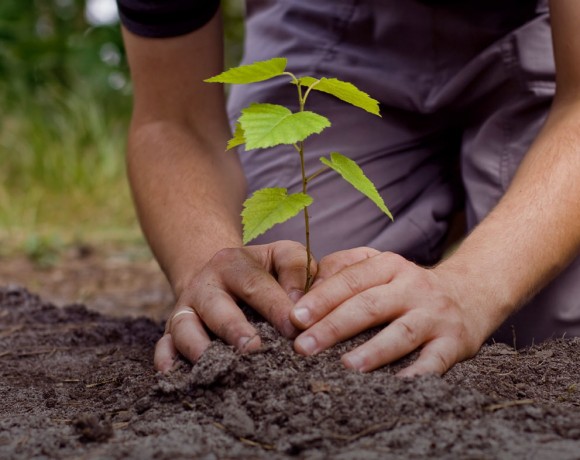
(63, 171)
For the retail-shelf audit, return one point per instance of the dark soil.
(79, 384)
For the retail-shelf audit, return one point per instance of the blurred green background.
(65, 99)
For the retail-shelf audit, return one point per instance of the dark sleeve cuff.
(165, 18)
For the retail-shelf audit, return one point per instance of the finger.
(188, 334)
(397, 340)
(436, 358)
(165, 354)
(217, 310)
(289, 260)
(371, 308)
(337, 261)
(352, 280)
(247, 279)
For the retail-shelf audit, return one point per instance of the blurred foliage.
(233, 13)
(65, 102)
(65, 99)
(49, 42)
(64, 96)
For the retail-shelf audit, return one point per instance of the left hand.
(362, 288)
(267, 277)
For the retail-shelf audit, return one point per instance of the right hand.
(270, 278)
(418, 308)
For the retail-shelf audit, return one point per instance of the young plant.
(269, 125)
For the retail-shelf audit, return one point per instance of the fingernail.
(354, 361)
(302, 315)
(295, 295)
(307, 344)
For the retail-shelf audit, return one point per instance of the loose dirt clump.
(76, 383)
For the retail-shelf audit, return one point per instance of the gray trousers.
(464, 88)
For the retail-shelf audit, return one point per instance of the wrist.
(484, 299)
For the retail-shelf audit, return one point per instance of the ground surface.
(115, 280)
(76, 383)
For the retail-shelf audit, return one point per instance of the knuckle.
(224, 256)
(397, 267)
(333, 329)
(442, 361)
(397, 261)
(351, 280)
(293, 263)
(408, 332)
(289, 254)
(225, 330)
(193, 352)
(250, 285)
(367, 253)
(291, 245)
(454, 324)
(189, 352)
(231, 330)
(370, 308)
(263, 255)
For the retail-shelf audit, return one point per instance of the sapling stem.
(308, 283)
(302, 103)
(305, 179)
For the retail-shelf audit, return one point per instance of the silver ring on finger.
(185, 310)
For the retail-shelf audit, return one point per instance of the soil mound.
(75, 383)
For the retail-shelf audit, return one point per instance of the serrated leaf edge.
(332, 164)
(257, 144)
(246, 238)
(223, 76)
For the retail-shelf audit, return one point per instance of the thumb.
(289, 259)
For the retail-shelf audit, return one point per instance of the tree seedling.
(264, 125)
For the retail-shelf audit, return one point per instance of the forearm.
(187, 189)
(188, 193)
(532, 233)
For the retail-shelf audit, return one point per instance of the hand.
(362, 288)
(269, 278)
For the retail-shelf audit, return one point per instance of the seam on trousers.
(510, 61)
(504, 176)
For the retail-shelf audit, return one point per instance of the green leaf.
(344, 91)
(251, 73)
(268, 207)
(238, 139)
(267, 125)
(355, 176)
